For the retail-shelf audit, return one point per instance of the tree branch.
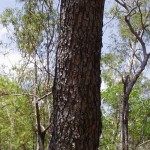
(136, 35)
(144, 143)
(4, 93)
(123, 4)
(137, 74)
(44, 96)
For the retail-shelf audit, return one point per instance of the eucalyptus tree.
(131, 53)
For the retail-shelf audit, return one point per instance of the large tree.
(76, 91)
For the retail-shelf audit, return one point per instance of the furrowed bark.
(76, 91)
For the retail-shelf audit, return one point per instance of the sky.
(8, 4)
(4, 4)
(7, 60)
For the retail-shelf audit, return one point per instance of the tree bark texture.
(76, 91)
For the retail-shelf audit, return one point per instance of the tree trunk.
(76, 91)
(40, 134)
(124, 122)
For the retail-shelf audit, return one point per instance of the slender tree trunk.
(124, 122)
(40, 134)
(76, 91)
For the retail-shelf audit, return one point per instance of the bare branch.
(123, 4)
(44, 96)
(45, 130)
(109, 20)
(136, 35)
(134, 52)
(138, 58)
(4, 93)
(144, 143)
(141, 17)
(137, 74)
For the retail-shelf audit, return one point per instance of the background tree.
(131, 54)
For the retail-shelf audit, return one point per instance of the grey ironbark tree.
(76, 91)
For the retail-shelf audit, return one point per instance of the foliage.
(35, 34)
(16, 128)
(32, 25)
